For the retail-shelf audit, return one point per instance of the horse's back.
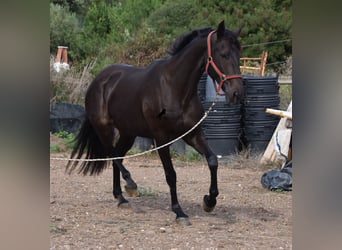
(112, 77)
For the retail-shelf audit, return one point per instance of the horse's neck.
(187, 67)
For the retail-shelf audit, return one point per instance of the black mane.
(185, 39)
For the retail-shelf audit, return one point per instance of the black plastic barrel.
(254, 107)
(258, 126)
(210, 91)
(222, 127)
(201, 87)
(261, 85)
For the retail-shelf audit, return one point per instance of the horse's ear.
(221, 29)
(238, 32)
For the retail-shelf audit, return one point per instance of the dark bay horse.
(159, 101)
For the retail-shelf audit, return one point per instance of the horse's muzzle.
(235, 97)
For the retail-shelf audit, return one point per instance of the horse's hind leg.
(106, 134)
(197, 141)
(171, 179)
(121, 148)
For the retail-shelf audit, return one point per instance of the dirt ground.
(84, 214)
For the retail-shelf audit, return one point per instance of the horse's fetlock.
(116, 194)
(176, 207)
(214, 193)
(126, 176)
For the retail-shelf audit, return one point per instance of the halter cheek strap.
(211, 63)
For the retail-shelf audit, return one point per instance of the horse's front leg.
(198, 142)
(209, 201)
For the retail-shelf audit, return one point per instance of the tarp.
(278, 179)
(66, 117)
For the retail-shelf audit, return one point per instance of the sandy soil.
(84, 214)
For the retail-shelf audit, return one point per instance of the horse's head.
(223, 64)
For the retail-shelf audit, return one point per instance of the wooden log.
(249, 67)
(280, 113)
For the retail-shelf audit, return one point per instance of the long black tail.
(87, 141)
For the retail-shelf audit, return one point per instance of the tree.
(172, 18)
(64, 27)
(263, 22)
(115, 30)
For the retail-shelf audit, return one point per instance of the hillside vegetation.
(139, 31)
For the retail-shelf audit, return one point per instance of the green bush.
(190, 155)
(285, 93)
(68, 139)
(138, 31)
(54, 148)
(172, 18)
(64, 27)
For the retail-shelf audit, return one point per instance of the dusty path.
(247, 216)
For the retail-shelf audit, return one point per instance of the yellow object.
(280, 113)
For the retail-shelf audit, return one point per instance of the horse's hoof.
(205, 206)
(131, 192)
(183, 221)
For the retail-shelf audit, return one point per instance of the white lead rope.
(145, 152)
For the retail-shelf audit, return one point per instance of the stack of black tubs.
(258, 126)
(222, 127)
(201, 87)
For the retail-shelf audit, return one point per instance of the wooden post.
(263, 63)
(280, 113)
(62, 54)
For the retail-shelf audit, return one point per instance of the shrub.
(172, 18)
(68, 140)
(64, 27)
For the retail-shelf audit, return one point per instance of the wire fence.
(266, 43)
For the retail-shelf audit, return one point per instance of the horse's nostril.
(236, 93)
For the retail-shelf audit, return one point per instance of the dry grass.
(70, 85)
(246, 159)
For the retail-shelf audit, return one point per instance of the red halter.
(211, 63)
